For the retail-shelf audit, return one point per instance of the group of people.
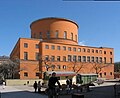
(37, 86)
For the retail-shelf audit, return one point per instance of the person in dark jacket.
(35, 86)
(51, 84)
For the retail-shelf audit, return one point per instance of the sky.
(99, 21)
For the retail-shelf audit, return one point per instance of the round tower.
(57, 30)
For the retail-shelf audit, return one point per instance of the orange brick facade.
(53, 46)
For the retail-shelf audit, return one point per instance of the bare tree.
(99, 66)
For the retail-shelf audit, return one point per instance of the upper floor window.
(74, 58)
(53, 47)
(79, 49)
(58, 67)
(100, 59)
(96, 51)
(97, 59)
(64, 47)
(65, 35)
(25, 45)
(92, 50)
(48, 34)
(104, 59)
(74, 49)
(37, 74)
(84, 58)
(71, 36)
(69, 58)
(64, 66)
(92, 59)
(104, 52)
(56, 34)
(100, 51)
(111, 60)
(64, 58)
(110, 53)
(88, 58)
(53, 58)
(58, 47)
(46, 46)
(37, 46)
(53, 67)
(37, 56)
(25, 55)
(58, 58)
(79, 58)
(25, 74)
(47, 57)
(40, 35)
(88, 50)
(84, 50)
(75, 37)
(69, 48)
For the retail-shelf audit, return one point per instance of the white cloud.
(82, 43)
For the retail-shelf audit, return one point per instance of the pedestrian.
(51, 84)
(39, 87)
(35, 86)
(68, 84)
(3, 86)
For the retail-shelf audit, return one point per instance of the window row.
(64, 48)
(26, 45)
(75, 58)
(57, 35)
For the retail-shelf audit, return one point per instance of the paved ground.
(105, 90)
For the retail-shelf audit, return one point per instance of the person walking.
(51, 84)
(39, 87)
(35, 86)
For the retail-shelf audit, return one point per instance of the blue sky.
(99, 22)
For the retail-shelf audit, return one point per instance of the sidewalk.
(105, 90)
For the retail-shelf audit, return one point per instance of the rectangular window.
(37, 56)
(37, 74)
(64, 67)
(97, 60)
(74, 58)
(71, 36)
(110, 53)
(92, 59)
(96, 51)
(40, 35)
(25, 55)
(88, 58)
(53, 58)
(75, 37)
(25, 74)
(105, 60)
(64, 48)
(46, 46)
(111, 60)
(84, 50)
(37, 46)
(64, 58)
(69, 58)
(56, 34)
(79, 58)
(25, 45)
(53, 47)
(58, 47)
(79, 49)
(74, 49)
(69, 48)
(104, 52)
(84, 58)
(65, 35)
(58, 58)
(100, 51)
(100, 59)
(48, 34)
(92, 50)
(47, 57)
(88, 50)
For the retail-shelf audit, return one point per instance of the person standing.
(35, 86)
(39, 87)
(51, 84)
